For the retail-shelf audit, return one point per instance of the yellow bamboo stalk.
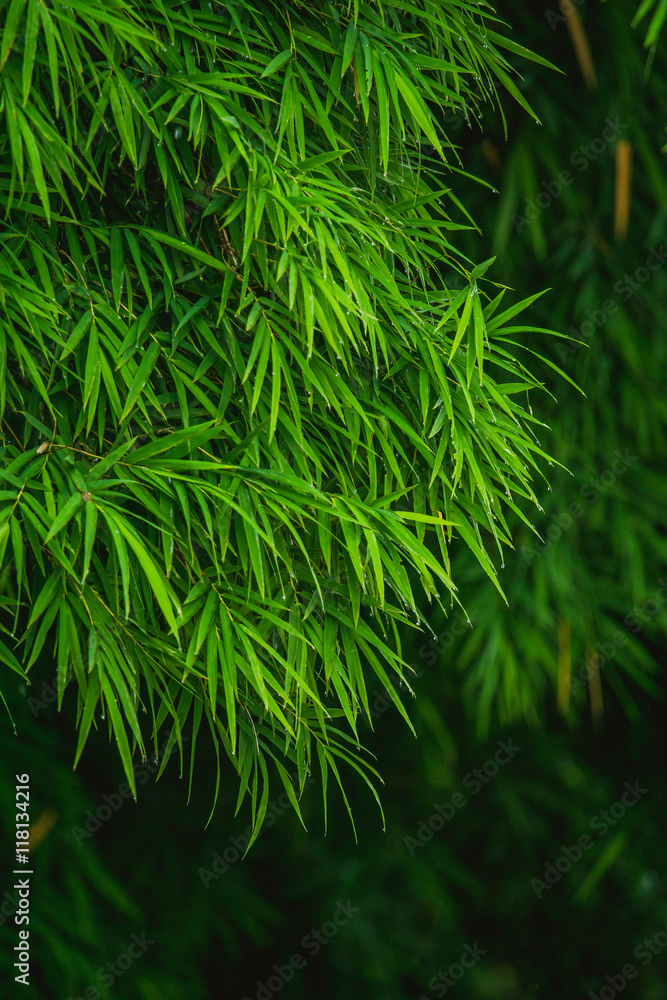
(595, 691)
(491, 154)
(623, 191)
(582, 49)
(564, 667)
(41, 828)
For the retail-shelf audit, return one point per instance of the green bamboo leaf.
(228, 663)
(332, 764)
(276, 63)
(613, 850)
(275, 388)
(90, 704)
(8, 658)
(122, 114)
(463, 322)
(65, 515)
(14, 15)
(212, 669)
(210, 607)
(289, 789)
(92, 365)
(117, 265)
(30, 47)
(418, 110)
(144, 372)
(520, 50)
(158, 582)
(154, 237)
(248, 525)
(121, 552)
(478, 323)
(133, 244)
(119, 732)
(260, 812)
(349, 46)
(33, 372)
(46, 595)
(35, 160)
(78, 333)
(324, 772)
(509, 85)
(17, 546)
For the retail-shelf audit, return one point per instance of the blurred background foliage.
(592, 588)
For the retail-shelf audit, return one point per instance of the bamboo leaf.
(144, 372)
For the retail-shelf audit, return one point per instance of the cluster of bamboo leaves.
(251, 393)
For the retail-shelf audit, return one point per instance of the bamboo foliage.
(247, 408)
(658, 11)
